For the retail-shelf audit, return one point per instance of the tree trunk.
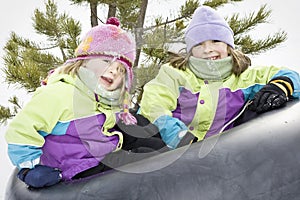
(94, 14)
(112, 10)
(139, 30)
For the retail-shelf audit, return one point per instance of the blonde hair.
(70, 68)
(240, 62)
(123, 91)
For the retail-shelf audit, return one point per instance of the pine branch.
(249, 46)
(6, 113)
(242, 25)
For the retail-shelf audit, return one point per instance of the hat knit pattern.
(109, 41)
(207, 24)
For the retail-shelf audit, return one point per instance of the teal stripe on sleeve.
(22, 153)
(59, 129)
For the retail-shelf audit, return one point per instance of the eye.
(104, 62)
(198, 46)
(121, 69)
(216, 41)
(107, 61)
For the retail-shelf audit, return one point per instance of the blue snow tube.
(259, 159)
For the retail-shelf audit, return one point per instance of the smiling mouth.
(107, 80)
(213, 58)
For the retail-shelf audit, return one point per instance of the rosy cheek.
(224, 54)
(196, 54)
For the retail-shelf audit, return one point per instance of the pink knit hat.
(108, 41)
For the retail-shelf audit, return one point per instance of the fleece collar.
(211, 69)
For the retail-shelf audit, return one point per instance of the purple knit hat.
(207, 24)
(109, 41)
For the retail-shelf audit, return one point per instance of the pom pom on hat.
(207, 24)
(113, 20)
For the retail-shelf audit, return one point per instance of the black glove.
(40, 176)
(273, 95)
(189, 138)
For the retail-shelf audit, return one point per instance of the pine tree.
(27, 62)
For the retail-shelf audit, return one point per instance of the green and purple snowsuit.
(63, 126)
(177, 100)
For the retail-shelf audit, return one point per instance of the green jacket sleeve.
(41, 113)
(160, 94)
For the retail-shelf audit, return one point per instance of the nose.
(207, 47)
(113, 68)
(112, 71)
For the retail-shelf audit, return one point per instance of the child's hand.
(181, 139)
(40, 176)
(268, 98)
(187, 139)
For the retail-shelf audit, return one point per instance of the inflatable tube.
(259, 159)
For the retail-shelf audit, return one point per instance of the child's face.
(210, 49)
(110, 74)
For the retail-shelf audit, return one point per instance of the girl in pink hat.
(78, 124)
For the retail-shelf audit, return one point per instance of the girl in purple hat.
(200, 93)
(78, 124)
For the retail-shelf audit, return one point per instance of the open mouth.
(213, 58)
(107, 80)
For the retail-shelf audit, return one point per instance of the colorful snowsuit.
(63, 126)
(177, 100)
